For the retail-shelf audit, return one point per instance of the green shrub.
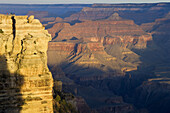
(58, 98)
(60, 104)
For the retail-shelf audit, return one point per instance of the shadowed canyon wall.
(25, 80)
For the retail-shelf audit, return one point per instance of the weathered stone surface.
(25, 81)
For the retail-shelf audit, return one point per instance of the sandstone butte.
(25, 80)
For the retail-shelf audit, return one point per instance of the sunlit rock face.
(25, 80)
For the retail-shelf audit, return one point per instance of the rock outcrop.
(25, 81)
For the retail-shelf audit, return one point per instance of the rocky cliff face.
(25, 81)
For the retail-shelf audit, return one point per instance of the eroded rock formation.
(25, 80)
(113, 30)
(102, 45)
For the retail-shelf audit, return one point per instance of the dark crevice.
(56, 34)
(13, 26)
(75, 48)
(13, 32)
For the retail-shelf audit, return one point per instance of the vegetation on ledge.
(60, 103)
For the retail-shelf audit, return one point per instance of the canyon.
(114, 58)
(91, 43)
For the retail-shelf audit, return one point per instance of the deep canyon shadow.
(151, 95)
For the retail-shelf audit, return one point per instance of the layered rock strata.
(81, 60)
(25, 80)
(113, 30)
(90, 45)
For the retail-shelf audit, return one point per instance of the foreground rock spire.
(25, 81)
